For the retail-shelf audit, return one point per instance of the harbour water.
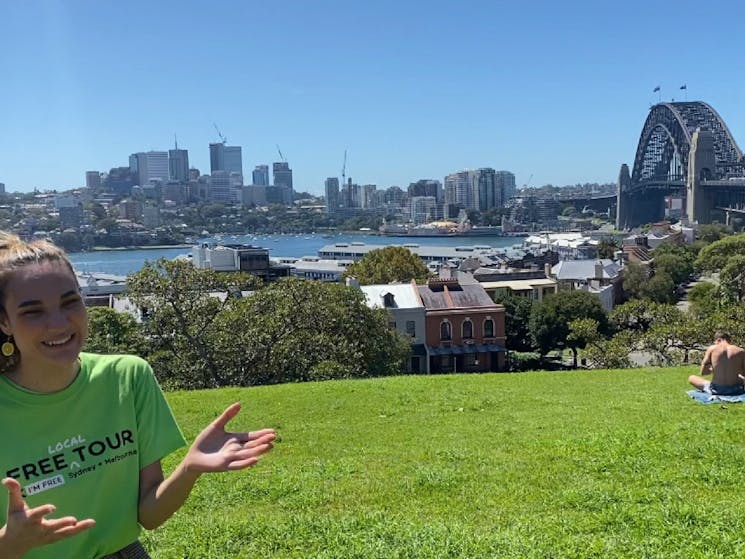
(123, 262)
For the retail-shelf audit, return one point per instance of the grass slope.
(572, 464)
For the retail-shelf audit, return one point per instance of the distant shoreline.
(137, 247)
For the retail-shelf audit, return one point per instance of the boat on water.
(444, 228)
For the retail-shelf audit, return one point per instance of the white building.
(405, 305)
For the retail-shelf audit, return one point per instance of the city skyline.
(558, 93)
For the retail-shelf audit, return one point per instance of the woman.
(84, 434)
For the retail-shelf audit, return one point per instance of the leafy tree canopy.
(387, 265)
(550, 319)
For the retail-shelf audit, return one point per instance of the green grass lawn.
(568, 464)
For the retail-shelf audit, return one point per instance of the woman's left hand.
(216, 450)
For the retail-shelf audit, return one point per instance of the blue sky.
(412, 89)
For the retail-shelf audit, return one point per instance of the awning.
(469, 348)
(418, 349)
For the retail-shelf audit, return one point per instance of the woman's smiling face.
(45, 314)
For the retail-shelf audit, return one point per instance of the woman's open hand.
(216, 450)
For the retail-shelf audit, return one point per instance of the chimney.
(598, 270)
(547, 269)
(351, 281)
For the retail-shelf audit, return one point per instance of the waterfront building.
(315, 268)
(356, 250)
(332, 194)
(260, 175)
(238, 258)
(92, 179)
(149, 166)
(178, 165)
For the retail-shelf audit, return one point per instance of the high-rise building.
(458, 193)
(92, 179)
(178, 165)
(426, 187)
(2, 188)
(260, 175)
(506, 184)
(282, 174)
(283, 178)
(368, 196)
(486, 195)
(226, 158)
(332, 194)
(149, 166)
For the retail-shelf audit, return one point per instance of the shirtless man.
(727, 362)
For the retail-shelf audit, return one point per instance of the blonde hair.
(16, 253)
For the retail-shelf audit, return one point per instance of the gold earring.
(8, 348)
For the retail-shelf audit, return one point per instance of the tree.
(607, 247)
(732, 279)
(516, 321)
(110, 331)
(673, 334)
(601, 352)
(387, 265)
(303, 330)
(703, 298)
(714, 257)
(550, 319)
(635, 276)
(712, 232)
(180, 313)
(676, 260)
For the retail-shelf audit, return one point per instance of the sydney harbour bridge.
(685, 150)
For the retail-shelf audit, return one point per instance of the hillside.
(571, 464)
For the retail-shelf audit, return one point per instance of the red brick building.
(464, 328)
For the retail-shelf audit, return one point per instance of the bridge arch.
(665, 141)
(673, 134)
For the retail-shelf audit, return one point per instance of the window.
(467, 329)
(445, 332)
(411, 328)
(488, 328)
(388, 300)
(472, 359)
(445, 361)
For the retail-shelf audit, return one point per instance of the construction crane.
(530, 178)
(282, 157)
(344, 169)
(223, 139)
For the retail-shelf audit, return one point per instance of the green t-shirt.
(81, 449)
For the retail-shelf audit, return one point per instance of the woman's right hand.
(27, 528)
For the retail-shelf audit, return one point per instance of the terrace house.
(464, 328)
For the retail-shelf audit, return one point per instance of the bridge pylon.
(701, 166)
(623, 204)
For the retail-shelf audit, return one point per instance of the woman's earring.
(8, 348)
